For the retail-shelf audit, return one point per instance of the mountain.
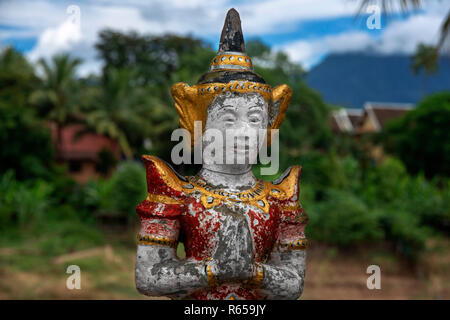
(351, 79)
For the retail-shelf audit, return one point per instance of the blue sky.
(307, 30)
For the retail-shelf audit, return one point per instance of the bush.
(26, 143)
(325, 171)
(343, 219)
(123, 192)
(385, 183)
(23, 203)
(29, 210)
(404, 230)
(427, 202)
(421, 138)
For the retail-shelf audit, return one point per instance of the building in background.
(345, 120)
(377, 114)
(88, 155)
(369, 120)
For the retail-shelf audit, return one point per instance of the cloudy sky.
(307, 30)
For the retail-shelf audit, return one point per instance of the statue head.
(234, 123)
(231, 95)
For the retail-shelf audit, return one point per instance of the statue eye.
(254, 119)
(228, 119)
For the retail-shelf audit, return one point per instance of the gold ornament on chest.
(211, 196)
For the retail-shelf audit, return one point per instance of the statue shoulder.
(165, 198)
(286, 186)
(286, 199)
(292, 218)
(162, 179)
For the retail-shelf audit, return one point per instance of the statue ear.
(281, 96)
(189, 106)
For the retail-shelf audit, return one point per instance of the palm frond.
(387, 6)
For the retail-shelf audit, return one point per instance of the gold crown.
(231, 61)
(231, 70)
(192, 102)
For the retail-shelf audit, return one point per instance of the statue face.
(241, 115)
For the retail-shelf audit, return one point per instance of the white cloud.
(55, 40)
(47, 20)
(277, 16)
(306, 52)
(403, 36)
(398, 37)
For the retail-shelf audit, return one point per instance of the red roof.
(83, 147)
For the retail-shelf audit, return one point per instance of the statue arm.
(283, 275)
(284, 272)
(159, 272)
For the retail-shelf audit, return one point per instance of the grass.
(30, 269)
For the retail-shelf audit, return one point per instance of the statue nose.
(243, 126)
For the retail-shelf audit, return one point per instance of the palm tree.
(114, 110)
(426, 58)
(57, 99)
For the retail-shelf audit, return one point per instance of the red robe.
(176, 203)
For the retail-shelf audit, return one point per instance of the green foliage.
(26, 143)
(155, 59)
(425, 57)
(134, 104)
(323, 171)
(421, 138)
(306, 125)
(30, 209)
(70, 234)
(121, 193)
(128, 187)
(57, 98)
(404, 229)
(349, 199)
(115, 109)
(348, 204)
(106, 161)
(385, 183)
(427, 201)
(343, 219)
(17, 78)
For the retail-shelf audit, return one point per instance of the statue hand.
(234, 257)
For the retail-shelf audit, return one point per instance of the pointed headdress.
(230, 70)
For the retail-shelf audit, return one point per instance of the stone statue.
(244, 237)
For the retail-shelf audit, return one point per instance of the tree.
(26, 143)
(421, 138)
(138, 73)
(426, 59)
(112, 108)
(58, 97)
(17, 78)
(153, 58)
